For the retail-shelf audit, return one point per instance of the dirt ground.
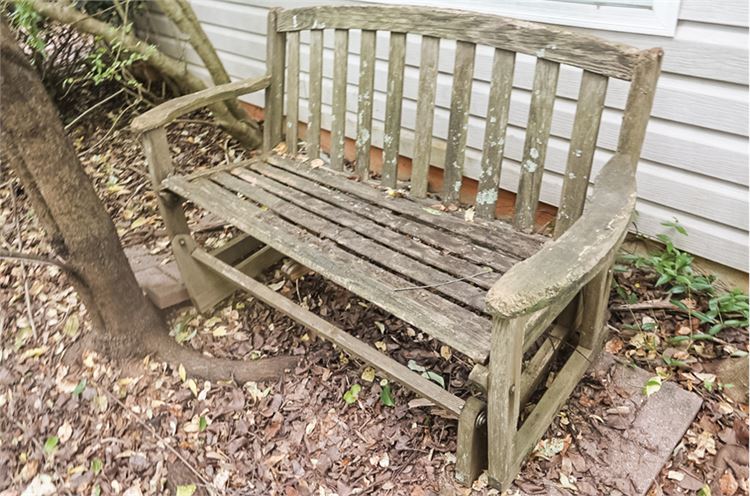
(144, 428)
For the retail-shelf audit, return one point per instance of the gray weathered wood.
(168, 111)
(551, 43)
(581, 152)
(640, 101)
(346, 214)
(389, 367)
(292, 93)
(504, 398)
(559, 269)
(364, 103)
(205, 288)
(535, 370)
(461, 329)
(595, 299)
(535, 146)
(393, 103)
(495, 235)
(275, 63)
(428, 69)
(338, 115)
(471, 449)
(458, 122)
(460, 291)
(422, 232)
(538, 421)
(503, 64)
(316, 78)
(159, 161)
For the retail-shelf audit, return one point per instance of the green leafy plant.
(675, 270)
(352, 394)
(386, 395)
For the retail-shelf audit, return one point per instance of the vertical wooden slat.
(275, 62)
(595, 298)
(425, 115)
(535, 147)
(392, 132)
(581, 152)
(494, 134)
(292, 93)
(504, 398)
(640, 101)
(316, 77)
(364, 104)
(458, 123)
(338, 116)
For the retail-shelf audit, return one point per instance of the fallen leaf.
(368, 375)
(186, 490)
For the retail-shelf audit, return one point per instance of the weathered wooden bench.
(494, 291)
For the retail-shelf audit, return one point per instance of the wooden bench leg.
(205, 287)
(595, 296)
(504, 399)
(471, 452)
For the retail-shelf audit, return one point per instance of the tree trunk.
(35, 145)
(248, 133)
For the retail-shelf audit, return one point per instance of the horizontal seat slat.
(364, 247)
(458, 267)
(495, 235)
(425, 233)
(451, 324)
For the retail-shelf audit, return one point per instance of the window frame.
(661, 20)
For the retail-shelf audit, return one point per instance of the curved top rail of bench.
(563, 266)
(540, 40)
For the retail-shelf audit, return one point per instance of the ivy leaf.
(386, 395)
(51, 444)
(434, 377)
(652, 386)
(80, 387)
(96, 465)
(351, 395)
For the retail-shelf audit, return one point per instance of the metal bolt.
(481, 420)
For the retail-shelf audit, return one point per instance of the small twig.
(647, 305)
(487, 271)
(70, 124)
(28, 257)
(24, 274)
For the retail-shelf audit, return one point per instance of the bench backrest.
(599, 59)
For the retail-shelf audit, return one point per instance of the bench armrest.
(562, 267)
(168, 111)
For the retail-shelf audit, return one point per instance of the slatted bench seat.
(380, 248)
(508, 299)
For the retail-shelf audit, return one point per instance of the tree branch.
(175, 69)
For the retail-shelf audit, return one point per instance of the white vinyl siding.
(694, 164)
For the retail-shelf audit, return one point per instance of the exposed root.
(215, 369)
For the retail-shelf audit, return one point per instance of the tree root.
(197, 365)
(216, 369)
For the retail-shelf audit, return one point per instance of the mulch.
(144, 428)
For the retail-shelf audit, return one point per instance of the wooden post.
(504, 398)
(471, 452)
(159, 160)
(595, 298)
(275, 63)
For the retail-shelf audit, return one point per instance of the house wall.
(694, 164)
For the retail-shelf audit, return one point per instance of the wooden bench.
(501, 295)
